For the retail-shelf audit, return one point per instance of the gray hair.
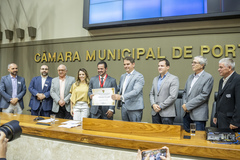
(63, 65)
(228, 62)
(10, 65)
(201, 60)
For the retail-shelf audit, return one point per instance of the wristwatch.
(121, 98)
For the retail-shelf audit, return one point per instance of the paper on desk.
(47, 120)
(70, 124)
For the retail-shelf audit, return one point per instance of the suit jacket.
(55, 93)
(166, 96)
(133, 94)
(36, 87)
(6, 90)
(197, 100)
(94, 84)
(228, 99)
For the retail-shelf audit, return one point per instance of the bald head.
(44, 70)
(62, 71)
(13, 69)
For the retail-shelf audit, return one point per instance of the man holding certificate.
(101, 88)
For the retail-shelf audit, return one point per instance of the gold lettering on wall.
(159, 53)
(230, 49)
(119, 54)
(150, 54)
(219, 48)
(44, 57)
(187, 51)
(100, 53)
(133, 53)
(52, 58)
(204, 49)
(90, 57)
(36, 59)
(140, 52)
(176, 50)
(68, 55)
(112, 55)
(124, 51)
(76, 57)
(60, 57)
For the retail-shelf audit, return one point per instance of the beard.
(44, 73)
(14, 73)
(101, 73)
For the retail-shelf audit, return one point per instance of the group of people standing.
(69, 98)
(196, 95)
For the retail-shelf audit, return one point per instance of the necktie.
(101, 80)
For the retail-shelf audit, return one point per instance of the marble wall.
(39, 148)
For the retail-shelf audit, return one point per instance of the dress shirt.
(226, 79)
(195, 80)
(62, 87)
(102, 79)
(14, 86)
(43, 81)
(128, 75)
(160, 79)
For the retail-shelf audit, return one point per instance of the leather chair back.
(213, 110)
(178, 104)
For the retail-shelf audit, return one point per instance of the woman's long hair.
(86, 79)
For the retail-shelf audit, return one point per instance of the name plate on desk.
(103, 97)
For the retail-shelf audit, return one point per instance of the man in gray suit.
(59, 92)
(163, 94)
(12, 89)
(102, 80)
(130, 96)
(196, 95)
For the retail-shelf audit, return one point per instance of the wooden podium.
(129, 135)
(133, 128)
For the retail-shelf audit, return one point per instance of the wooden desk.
(197, 146)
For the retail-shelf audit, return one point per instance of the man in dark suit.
(41, 101)
(196, 95)
(12, 89)
(102, 80)
(60, 93)
(130, 97)
(228, 99)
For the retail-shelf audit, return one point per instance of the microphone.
(40, 109)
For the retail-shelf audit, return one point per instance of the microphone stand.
(39, 118)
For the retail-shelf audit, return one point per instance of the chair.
(179, 110)
(214, 110)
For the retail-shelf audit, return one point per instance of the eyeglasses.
(44, 69)
(195, 62)
(61, 70)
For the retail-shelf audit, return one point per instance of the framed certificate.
(103, 97)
